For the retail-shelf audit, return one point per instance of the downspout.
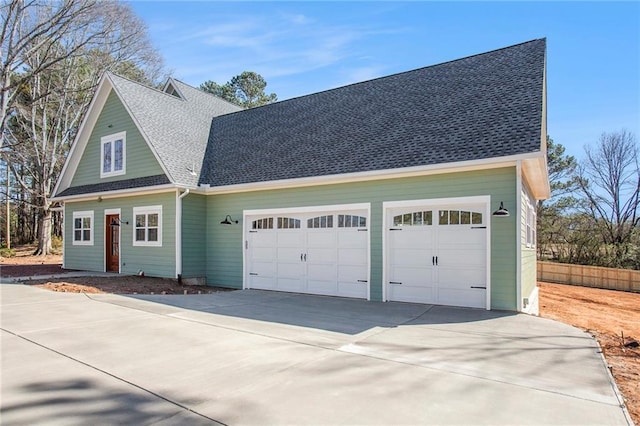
(179, 232)
(519, 236)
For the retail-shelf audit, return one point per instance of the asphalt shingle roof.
(115, 185)
(177, 129)
(484, 106)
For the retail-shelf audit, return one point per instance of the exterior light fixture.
(228, 221)
(501, 211)
(118, 222)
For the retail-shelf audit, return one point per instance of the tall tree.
(552, 213)
(609, 180)
(48, 105)
(246, 90)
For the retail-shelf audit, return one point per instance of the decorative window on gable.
(147, 226)
(83, 228)
(113, 155)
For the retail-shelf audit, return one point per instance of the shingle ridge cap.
(144, 86)
(207, 93)
(387, 76)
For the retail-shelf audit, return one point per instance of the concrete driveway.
(252, 357)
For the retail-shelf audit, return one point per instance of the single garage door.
(438, 254)
(322, 252)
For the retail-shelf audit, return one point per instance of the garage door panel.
(411, 238)
(452, 297)
(327, 288)
(352, 289)
(460, 278)
(414, 294)
(321, 238)
(462, 258)
(411, 258)
(322, 255)
(352, 238)
(352, 256)
(351, 273)
(263, 239)
(328, 272)
(263, 283)
(290, 238)
(263, 253)
(267, 269)
(293, 284)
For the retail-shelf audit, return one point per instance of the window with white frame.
(113, 154)
(83, 228)
(531, 225)
(147, 226)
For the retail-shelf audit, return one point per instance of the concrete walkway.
(252, 357)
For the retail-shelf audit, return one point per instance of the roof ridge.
(394, 75)
(206, 93)
(110, 73)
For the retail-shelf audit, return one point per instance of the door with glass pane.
(112, 243)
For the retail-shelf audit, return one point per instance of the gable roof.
(480, 107)
(175, 126)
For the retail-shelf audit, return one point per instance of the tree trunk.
(44, 231)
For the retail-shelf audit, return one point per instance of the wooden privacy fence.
(589, 276)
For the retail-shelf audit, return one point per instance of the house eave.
(119, 193)
(492, 163)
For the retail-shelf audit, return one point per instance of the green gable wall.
(194, 248)
(140, 161)
(224, 244)
(154, 261)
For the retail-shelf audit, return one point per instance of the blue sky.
(593, 48)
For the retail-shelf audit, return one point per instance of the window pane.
(454, 217)
(296, 223)
(117, 155)
(77, 235)
(279, 223)
(476, 218)
(86, 222)
(140, 221)
(153, 219)
(397, 220)
(323, 222)
(340, 221)
(270, 223)
(139, 234)
(363, 221)
(86, 235)
(330, 221)
(444, 217)
(316, 222)
(77, 223)
(347, 221)
(106, 164)
(406, 219)
(309, 223)
(417, 218)
(465, 218)
(428, 218)
(254, 224)
(153, 234)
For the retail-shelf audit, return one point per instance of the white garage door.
(437, 254)
(322, 252)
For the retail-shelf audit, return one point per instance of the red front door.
(112, 240)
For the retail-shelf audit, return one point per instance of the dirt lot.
(613, 317)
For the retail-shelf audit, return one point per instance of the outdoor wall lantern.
(118, 222)
(228, 221)
(501, 211)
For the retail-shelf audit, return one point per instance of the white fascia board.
(143, 133)
(84, 132)
(536, 175)
(457, 167)
(117, 194)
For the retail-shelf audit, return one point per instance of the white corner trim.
(519, 236)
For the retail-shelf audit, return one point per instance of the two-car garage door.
(317, 252)
(434, 253)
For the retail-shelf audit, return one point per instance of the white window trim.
(113, 138)
(81, 215)
(530, 225)
(148, 210)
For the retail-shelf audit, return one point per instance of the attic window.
(172, 90)
(113, 155)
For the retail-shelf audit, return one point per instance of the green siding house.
(417, 187)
